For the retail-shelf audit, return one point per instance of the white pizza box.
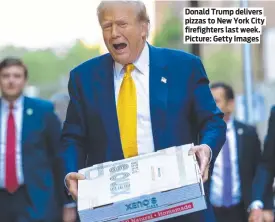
(148, 184)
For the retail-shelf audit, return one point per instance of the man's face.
(225, 105)
(12, 81)
(123, 33)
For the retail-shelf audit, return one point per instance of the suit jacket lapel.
(106, 92)
(158, 88)
(26, 119)
(239, 139)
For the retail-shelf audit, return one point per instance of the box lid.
(116, 181)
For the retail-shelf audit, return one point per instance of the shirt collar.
(141, 63)
(230, 123)
(18, 103)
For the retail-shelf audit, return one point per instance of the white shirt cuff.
(70, 205)
(257, 204)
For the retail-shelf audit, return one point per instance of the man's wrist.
(67, 189)
(210, 157)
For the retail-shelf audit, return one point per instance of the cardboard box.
(150, 187)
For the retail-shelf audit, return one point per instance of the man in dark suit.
(138, 99)
(235, 166)
(262, 185)
(234, 169)
(30, 143)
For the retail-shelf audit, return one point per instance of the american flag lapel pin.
(164, 80)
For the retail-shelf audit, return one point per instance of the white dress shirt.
(18, 118)
(216, 194)
(140, 76)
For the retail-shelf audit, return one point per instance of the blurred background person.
(30, 142)
(234, 169)
(265, 176)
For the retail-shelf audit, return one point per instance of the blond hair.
(139, 5)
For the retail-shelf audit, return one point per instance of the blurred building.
(61, 102)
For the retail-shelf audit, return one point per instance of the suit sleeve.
(250, 162)
(256, 144)
(268, 196)
(74, 132)
(210, 123)
(265, 171)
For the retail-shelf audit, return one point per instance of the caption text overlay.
(223, 25)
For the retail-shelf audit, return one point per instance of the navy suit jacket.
(182, 109)
(39, 147)
(263, 182)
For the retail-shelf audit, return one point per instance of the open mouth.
(120, 46)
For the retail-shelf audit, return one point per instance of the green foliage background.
(46, 65)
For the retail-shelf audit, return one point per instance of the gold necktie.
(127, 114)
